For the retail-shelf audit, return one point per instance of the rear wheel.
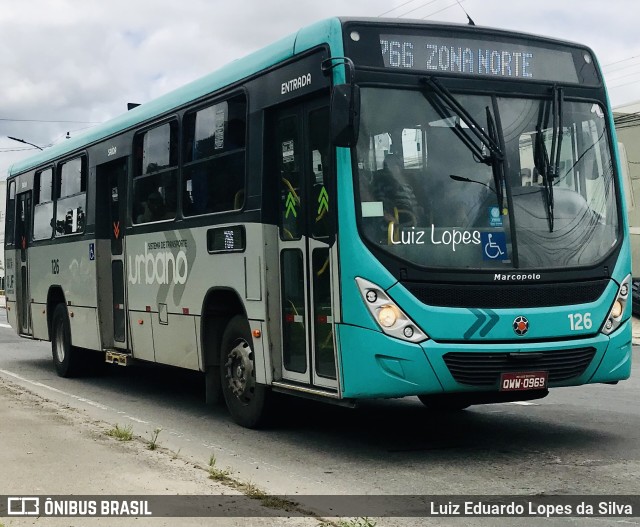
(247, 401)
(65, 356)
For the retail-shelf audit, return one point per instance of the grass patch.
(215, 473)
(121, 434)
(153, 442)
(252, 490)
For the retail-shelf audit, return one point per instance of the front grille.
(496, 296)
(484, 369)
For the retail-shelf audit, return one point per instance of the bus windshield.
(429, 197)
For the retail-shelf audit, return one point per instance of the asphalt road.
(580, 440)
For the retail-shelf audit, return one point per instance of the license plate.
(530, 380)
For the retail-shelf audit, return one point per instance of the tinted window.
(214, 173)
(155, 188)
(43, 209)
(72, 197)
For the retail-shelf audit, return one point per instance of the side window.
(155, 177)
(71, 192)
(10, 215)
(214, 169)
(412, 149)
(43, 205)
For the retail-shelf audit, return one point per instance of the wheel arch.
(219, 306)
(55, 296)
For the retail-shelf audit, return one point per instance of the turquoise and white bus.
(368, 208)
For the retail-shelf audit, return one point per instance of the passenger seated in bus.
(392, 187)
(154, 209)
(170, 201)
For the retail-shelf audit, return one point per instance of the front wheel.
(247, 401)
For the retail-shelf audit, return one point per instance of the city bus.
(368, 208)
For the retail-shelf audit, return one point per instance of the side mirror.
(345, 115)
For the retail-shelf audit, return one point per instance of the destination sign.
(487, 58)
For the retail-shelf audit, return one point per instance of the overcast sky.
(81, 61)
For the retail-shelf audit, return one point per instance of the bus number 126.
(579, 321)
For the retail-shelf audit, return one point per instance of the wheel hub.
(239, 368)
(60, 343)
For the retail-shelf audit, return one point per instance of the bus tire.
(247, 401)
(66, 358)
(444, 403)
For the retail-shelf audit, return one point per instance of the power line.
(623, 84)
(620, 67)
(397, 7)
(622, 76)
(419, 7)
(443, 9)
(16, 149)
(619, 61)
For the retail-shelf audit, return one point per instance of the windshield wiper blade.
(558, 129)
(548, 164)
(490, 143)
(497, 166)
(445, 100)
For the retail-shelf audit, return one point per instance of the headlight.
(387, 316)
(391, 319)
(614, 318)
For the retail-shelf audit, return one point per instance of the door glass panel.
(117, 275)
(290, 179)
(318, 141)
(323, 322)
(23, 224)
(117, 229)
(294, 347)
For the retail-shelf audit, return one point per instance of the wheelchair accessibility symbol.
(494, 245)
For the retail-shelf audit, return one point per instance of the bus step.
(117, 357)
(314, 393)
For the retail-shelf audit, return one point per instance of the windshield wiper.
(548, 164)
(443, 101)
(497, 166)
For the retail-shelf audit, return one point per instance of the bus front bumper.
(374, 365)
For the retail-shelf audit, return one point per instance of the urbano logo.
(162, 267)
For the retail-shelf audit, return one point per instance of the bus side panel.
(175, 341)
(72, 266)
(12, 314)
(40, 273)
(168, 274)
(141, 335)
(39, 321)
(84, 327)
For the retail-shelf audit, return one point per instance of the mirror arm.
(328, 64)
